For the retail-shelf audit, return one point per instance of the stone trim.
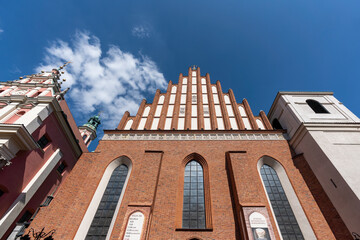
(193, 136)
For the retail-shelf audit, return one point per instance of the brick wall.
(156, 181)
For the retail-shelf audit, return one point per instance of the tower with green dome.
(88, 130)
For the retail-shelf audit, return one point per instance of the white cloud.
(141, 31)
(1, 30)
(111, 82)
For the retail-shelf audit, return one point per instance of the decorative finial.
(64, 65)
(193, 67)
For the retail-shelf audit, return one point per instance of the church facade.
(193, 164)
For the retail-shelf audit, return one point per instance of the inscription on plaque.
(134, 226)
(259, 226)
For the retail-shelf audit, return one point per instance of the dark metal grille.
(285, 218)
(194, 200)
(47, 201)
(104, 214)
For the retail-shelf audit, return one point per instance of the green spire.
(93, 122)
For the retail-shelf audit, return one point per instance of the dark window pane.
(61, 168)
(105, 212)
(43, 141)
(316, 106)
(47, 201)
(288, 225)
(193, 213)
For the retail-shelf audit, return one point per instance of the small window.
(43, 141)
(3, 190)
(21, 113)
(316, 106)
(84, 137)
(26, 217)
(276, 124)
(61, 168)
(47, 201)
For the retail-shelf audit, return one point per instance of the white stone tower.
(328, 135)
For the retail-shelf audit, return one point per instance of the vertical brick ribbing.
(225, 114)
(123, 121)
(188, 101)
(250, 115)
(139, 115)
(211, 103)
(152, 110)
(174, 123)
(165, 106)
(265, 120)
(200, 109)
(236, 110)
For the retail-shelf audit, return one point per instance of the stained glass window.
(105, 212)
(194, 198)
(284, 215)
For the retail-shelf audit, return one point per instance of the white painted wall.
(331, 145)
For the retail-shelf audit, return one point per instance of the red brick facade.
(154, 182)
(230, 162)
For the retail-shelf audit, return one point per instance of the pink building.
(39, 145)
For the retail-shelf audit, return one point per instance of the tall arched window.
(194, 198)
(100, 216)
(316, 106)
(285, 217)
(290, 217)
(104, 214)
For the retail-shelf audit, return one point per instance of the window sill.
(194, 229)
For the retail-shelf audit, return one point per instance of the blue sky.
(257, 48)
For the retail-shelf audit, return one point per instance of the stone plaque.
(258, 223)
(134, 227)
(259, 226)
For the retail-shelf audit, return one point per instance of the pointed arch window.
(316, 106)
(100, 224)
(194, 197)
(284, 215)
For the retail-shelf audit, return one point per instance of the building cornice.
(193, 135)
(116, 131)
(321, 126)
(14, 137)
